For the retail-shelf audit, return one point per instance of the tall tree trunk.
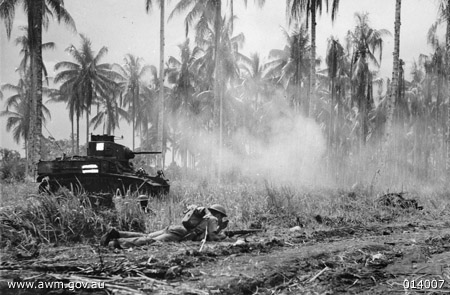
(108, 127)
(448, 88)
(394, 85)
(339, 117)
(297, 100)
(331, 127)
(30, 134)
(26, 158)
(428, 126)
(217, 113)
(35, 11)
(367, 105)
(78, 134)
(138, 109)
(161, 84)
(73, 135)
(133, 115)
(363, 108)
(88, 109)
(312, 87)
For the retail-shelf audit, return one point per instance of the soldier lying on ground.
(197, 223)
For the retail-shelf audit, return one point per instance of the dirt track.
(355, 260)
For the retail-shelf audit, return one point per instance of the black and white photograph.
(224, 147)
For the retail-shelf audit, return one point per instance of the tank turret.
(105, 169)
(104, 147)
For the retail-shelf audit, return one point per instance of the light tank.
(105, 170)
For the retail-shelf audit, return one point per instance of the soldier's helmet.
(218, 208)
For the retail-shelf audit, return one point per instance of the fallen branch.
(318, 274)
(204, 239)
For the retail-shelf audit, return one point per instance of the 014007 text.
(423, 284)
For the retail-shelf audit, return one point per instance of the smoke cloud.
(287, 148)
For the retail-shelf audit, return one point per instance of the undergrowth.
(27, 218)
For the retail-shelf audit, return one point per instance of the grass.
(27, 218)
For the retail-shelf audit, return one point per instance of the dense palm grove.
(215, 96)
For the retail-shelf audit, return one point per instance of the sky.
(124, 27)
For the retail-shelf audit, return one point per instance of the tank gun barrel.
(146, 153)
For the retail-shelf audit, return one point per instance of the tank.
(105, 170)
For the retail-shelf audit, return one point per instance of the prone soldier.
(198, 223)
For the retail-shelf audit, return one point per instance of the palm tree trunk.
(394, 84)
(35, 38)
(339, 117)
(161, 83)
(448, 88)
(362, 109)
(140, 120)
(428, 126)
(73, 139)
(26, 158)
(78, 134)
(133, 114)
(87, 124)
(217, 77)
(29, 138)
(298, 87)
(312, 88)
(108, 127)
(331, 127)
(367, 106)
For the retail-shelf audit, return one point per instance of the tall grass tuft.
(50, 219)
(129, 215)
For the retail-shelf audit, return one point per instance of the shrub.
(12, 166)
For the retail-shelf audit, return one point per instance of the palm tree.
(364, 42)
(148, 115)
(335, 63)
(19, 118)
(24, 43)
(437, 67)
(85, 80)
(419, 110)
(110, 113)
(132, 75)
(23, 87)
(75, 107)
(38, 12)
(295, 9)
(228, 67)
(18, 111)
(255, 86)
(290, 66)
(24, 68)
(181, 74)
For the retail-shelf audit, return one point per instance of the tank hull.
(105, 183)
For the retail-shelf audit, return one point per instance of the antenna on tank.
(54, 140)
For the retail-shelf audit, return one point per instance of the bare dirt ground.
(400, 258)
